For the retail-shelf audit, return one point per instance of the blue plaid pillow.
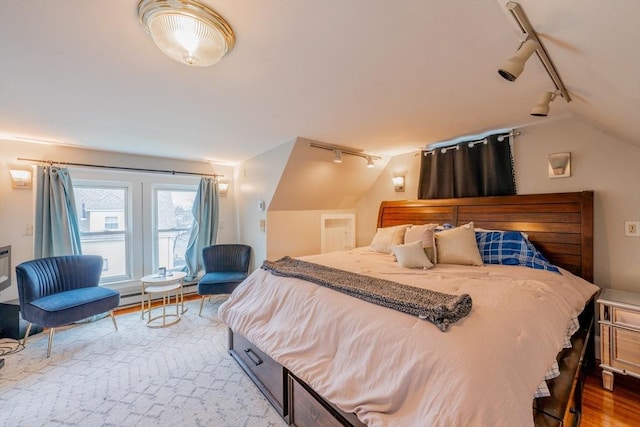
(511, 248)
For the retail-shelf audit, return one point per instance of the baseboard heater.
(133, 298)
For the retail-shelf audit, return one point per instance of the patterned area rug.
(181, 375)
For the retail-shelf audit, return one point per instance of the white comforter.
(393, 369)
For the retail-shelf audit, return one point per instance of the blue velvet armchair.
(226, 266)
(57, 291)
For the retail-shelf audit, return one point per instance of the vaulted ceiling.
(385, 76)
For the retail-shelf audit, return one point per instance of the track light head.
(514, 66)
(370, 163)
(338, 156)
(541, 109)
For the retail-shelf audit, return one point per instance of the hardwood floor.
(617, 408)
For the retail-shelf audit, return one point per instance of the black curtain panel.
(469, 169)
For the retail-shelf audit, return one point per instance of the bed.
(325, 358)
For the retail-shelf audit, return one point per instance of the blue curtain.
(205, 225)
(56, 228)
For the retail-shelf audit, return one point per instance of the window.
(173, 221)
(103, 214)
(137, 222)
(111, 223)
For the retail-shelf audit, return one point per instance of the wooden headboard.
(560, 225)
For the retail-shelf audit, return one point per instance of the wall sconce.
(560, 165)
(21, 179)
(398, 183)
(223, 188)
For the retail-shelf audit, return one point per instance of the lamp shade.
(186, 31)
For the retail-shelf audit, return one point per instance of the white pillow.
(387, 237)
(411, 255)
(458, 246)
(425, 233)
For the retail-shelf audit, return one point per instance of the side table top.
(620, 298)
(168, 278)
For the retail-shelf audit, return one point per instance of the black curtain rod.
(123, 168)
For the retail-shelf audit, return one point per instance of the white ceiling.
(385, 76)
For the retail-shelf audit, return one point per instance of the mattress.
(391, 368)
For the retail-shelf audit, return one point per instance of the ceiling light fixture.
(338, 156)
(339, 151)
(541, 109)
(186, 31)
(370, 163)
(514, 66)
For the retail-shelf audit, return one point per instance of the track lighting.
(338, 152)
(541, 109)
(514, 66)
(338, 156)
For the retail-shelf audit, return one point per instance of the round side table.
(165, 285)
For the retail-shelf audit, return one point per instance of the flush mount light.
(186, 31)
(541, 109)
(514, 66)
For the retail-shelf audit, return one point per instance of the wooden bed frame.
(560, 225)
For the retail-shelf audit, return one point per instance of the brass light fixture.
(186, 31)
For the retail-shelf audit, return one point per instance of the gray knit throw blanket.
(436, 307)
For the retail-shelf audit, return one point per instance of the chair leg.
(51, 332)
(201, 304)
(113, 318)
(26, 335)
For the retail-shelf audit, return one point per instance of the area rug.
(180, 375)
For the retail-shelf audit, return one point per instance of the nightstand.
(619, 334)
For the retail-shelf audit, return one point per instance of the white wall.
(257, 180)
(383, 189)
(296, 233)
(17, 206)
(599, 162)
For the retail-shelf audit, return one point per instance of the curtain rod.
(123, 168)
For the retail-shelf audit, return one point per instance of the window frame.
(128, 222)
(155, 188)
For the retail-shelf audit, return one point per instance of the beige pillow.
(411, 255)
(425, 234)
(458, 246)
(387, 237)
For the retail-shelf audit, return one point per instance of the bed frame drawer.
(308, 409)
(266, 373)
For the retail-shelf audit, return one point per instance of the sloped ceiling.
(384, 76)
(312, 181)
